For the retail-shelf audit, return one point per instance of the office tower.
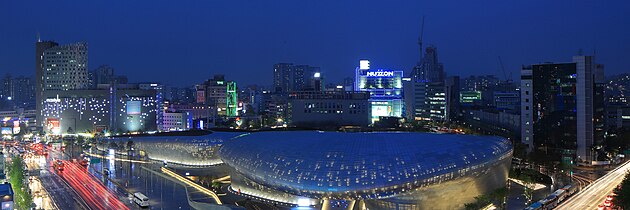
(65, 67)
(23, 91)
(60, 68)
(429, 69)
(104, 74)
(297, 78)
(557, 107)
(288, 78)
(451, 86)
(40, 48)
(282, 73)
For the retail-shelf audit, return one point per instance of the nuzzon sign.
(380, 73)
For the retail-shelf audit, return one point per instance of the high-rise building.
(288, 78)
(19, 90)
(557, 107)
(429, 68)
(452, 89)
(104, 74)
(60, 68)
(385, 88)
(65, 67)
(282, 74)
(40, 49)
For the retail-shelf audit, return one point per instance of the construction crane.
(420, 38)
(503, 70)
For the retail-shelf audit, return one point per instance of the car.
(608, 203)
(600, 207)
(609, 197)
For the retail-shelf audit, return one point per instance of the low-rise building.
(177, 121)
(324, 109)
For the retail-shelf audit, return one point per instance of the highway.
(595, 193)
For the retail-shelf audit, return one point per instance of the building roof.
(5, 189)
(328, 163)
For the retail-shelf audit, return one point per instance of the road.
(128, 177)
(595, 193)
(92, 191)
(55, 187)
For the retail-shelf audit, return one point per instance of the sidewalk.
(41, 197)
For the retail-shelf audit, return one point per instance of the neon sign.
(381, 73)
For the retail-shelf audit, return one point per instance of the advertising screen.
(6, 131)
(53, 125)
(134, 107)
(201, 97)
(16, 127)
(381, 110)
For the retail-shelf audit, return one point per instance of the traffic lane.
(93, 191)
(60, 193)
(596, 192)
(163, 193)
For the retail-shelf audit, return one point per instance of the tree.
(528, 188)
(622, 199)
(22, 198)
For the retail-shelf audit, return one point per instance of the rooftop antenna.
(39, 39)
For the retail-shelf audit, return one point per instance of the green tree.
(622, 199)
(528, 188)
(22, 198)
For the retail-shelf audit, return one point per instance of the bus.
(140, 199)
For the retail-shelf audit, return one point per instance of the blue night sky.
(185, 42)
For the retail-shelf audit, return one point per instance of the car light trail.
(597, 191)
(94, 192)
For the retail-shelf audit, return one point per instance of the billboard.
(134, 107)
(6, 131)
(53, 125)
(381, 110)
(201, 96)
(16, 127)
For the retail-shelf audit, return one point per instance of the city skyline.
(186, 41)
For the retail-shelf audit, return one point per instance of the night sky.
(185, 42)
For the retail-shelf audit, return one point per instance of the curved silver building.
(394, 170)
(183, 150)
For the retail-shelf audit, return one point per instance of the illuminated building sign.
(380, 73)
(364, 64)
(134, 107)
(469, 96)
(53, 100)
